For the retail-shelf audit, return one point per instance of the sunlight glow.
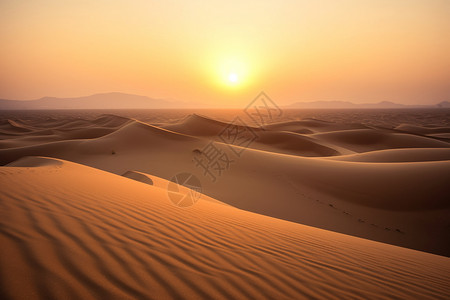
(232, 72)
(233, 77)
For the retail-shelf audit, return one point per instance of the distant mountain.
(322, 104)
(384, 104)
(97, 101)
(349, 105)
(444, 104)
(117, 100)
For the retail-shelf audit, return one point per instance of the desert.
(341, 209)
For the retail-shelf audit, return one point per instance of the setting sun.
(232, 71)
(233, 78)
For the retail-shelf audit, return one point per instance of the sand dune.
(279, 140)
(70, 231)
(138, 176)
(311, 125)
(133, 134)
(389, 201)
(25, 141)
(140, 129)
(291, 143)
(442, 136)
(399, 155)
(422, 129)
(10, 127)
(85, 133)
(33, 161)
(111, 121)
(362, 140)
(22, 134)
(198, 125)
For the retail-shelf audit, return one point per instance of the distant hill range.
(97, 101)
(129, 101)
(349, 105)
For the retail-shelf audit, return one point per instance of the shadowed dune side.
(198, 125)
(312, 137)
(398, 155)
(106, 121)
(264, 139)
(422, 129)
(35, 161)
(441, 136)
(40, 133)
(71, 231)
(29, 140)
(103, 121)
(139, 129)
(164, 184)
(74, 124)
(310, 125)
(50, 135)
(138, 176)
(47, 122)
(109, 120)
(363, 140)
(134, 136)
(393, 186)
(52, 149)
(291, 143)
(85, 133)
(10, 127)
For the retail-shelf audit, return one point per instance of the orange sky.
(360, 51)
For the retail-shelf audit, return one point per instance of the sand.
(309, 209)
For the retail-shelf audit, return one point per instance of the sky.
(225, 52)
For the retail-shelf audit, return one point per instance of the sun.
(233, 78)
(231, 73)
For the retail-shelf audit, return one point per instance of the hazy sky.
(225, 52)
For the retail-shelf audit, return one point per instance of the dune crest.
(35, 161)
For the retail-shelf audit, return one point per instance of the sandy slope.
(363, 140)
(399, 155)
(422, 129)
(70, 231)
(279, 140)
(20, 133)
(373, 195)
